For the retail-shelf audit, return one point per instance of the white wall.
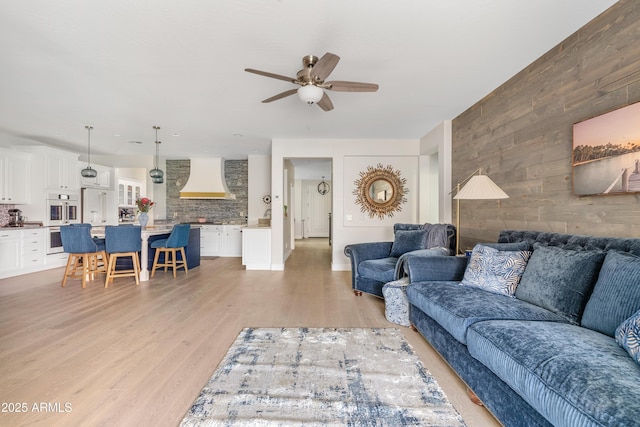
(298, 211)
(288, 198)
(259, 176)
(337, 150)
(435, 174)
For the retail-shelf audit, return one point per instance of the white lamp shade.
(480, 187)
(310, 94)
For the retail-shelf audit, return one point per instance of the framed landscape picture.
(606, 153)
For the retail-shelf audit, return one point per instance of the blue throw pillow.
(407, 241)
(616, 295)
(628, 336)
(403, 227)
(495, 271)
(560, 280)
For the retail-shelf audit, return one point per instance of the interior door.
(319, 209)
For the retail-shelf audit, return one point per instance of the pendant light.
(88, 172)
(156, 174)
(323, 187)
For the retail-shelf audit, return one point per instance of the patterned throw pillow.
(628, 336)
(495, 271)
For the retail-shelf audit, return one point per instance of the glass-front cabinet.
(128, 191)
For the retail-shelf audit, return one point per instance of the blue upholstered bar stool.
(123, 241)
(170, 246)
(86, 256)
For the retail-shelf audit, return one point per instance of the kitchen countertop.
(216, 223)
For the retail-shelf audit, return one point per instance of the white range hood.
(206, 180)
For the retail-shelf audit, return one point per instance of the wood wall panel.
(521, 134)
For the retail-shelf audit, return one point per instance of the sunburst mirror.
(380, 191)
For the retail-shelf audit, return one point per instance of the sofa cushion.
(495, 271)
(628, 336)
(560, 280)
(571, 375)
(616, 295)
(381, 270)
(407, 241)
(511, 246)
(457, 307)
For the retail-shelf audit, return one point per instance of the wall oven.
(62, 209)
(54, 241)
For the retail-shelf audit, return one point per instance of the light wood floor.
(138, 356)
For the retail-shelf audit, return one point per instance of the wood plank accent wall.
(521, 135)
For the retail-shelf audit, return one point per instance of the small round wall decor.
(380, 191)
(323, 187)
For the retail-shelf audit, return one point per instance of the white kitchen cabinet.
(233, 240)
(102, 180)
(220, 240)
(10, 254)
(129, 190)
(14, 178)
(22, 250)
(33, 248)
(256, 248)
(62, 172)
(211, 240)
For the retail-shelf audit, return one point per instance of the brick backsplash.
(236, 176)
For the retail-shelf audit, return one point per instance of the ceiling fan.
(311, 81)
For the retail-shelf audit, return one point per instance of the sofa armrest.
(401, 266)
(359, 252)
(436, 268)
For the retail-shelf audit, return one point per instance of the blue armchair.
(376, 263)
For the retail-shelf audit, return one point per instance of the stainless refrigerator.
(99, 207)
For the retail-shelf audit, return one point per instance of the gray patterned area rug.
(321, 377)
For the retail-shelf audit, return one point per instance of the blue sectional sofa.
(548, 354)
(376, 263)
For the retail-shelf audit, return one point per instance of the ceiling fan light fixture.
(88, 172)
(311, 94)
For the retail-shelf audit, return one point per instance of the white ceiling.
(124, 66)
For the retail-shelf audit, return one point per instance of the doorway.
(311, 200)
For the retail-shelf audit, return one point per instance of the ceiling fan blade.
(272, 75)
(325, 65)
(281, 95)
(325, 103)
(341, 86)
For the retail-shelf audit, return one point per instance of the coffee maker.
(15, 218)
